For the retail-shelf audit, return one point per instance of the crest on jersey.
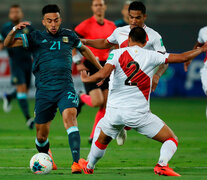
(161, 42)
(65, 39)
(110, 56)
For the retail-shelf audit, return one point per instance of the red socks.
(86, 99)
(99, 115)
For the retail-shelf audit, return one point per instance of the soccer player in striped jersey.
(131, 71)
(137, 17)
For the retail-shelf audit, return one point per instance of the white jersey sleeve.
(202, 35)
(112, 59)
(158, 58)
(158, 44)
(113, 37)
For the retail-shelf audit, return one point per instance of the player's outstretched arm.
(10, 40)
(99, 76)
(161, 70)
(97, 43)
(86, 52)
(186, 56)
(186, 64)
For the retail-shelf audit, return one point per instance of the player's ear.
(129, 40)
(43, 22)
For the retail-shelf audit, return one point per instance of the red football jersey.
(91, 29)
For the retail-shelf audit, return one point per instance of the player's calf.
(168, 149)
(97, 151)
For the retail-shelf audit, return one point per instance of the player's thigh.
(148, 124)
(111, 124)
(203, 73)
(42, 131)
(97, 97)
(45, 108)
(105, 96)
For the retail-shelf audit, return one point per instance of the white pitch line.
(110, 168)
(33, 137)
(34, 149)
(86, 148)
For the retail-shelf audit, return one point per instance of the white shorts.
(116, 119)
(203, 73)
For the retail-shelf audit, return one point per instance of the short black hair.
(137, 6)
(138, 34)
(50, 8)
(15, 6)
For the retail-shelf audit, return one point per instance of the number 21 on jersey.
(55, 45)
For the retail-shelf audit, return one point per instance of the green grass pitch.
(134, 160)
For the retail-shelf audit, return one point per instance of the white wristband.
(14, 28)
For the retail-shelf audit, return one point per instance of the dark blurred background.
(178, 21)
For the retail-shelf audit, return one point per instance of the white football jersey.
(202, 38)
(130, 81)
(154, 40)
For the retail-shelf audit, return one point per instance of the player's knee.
(69, 113)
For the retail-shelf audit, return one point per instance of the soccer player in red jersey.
(95, 27)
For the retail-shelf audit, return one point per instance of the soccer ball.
(41, 163)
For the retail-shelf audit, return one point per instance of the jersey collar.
(94, 19)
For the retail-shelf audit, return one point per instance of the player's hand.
(100, 83)
(84, 76)
(83, 41)
(22, 25)
(81, 67)
(155, 81)
(204, 47)
(186, 64)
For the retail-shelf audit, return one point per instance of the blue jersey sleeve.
(76, 40)
(29, 40)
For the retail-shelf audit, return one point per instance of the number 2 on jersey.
(128, 81)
